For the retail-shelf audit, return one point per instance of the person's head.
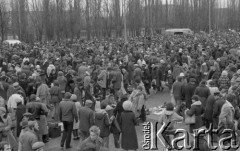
(179, 79)
(15, 85)
(73, 98)
(127, 105)
(195, 98)
(217, 94)
(103, 105)
(33, 125)
(169, 108)
(224, 92)
(55, 83)
(203, 82)
(88, 103)
(67, 95)
(231, 98)
(5, 146)
(94, 132)
(32, 98)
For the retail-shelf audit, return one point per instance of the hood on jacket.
(197, 103)
(99, 115)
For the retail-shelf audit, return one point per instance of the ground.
(153, 101)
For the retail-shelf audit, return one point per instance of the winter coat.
(62, 82)
(86, 118)
(103, 122)
(43, 93)
(129, 134)
(102, 79)
(138, 101)
(197, 110)
(216, 111)
(117, 79)
(177, 90)
(203, 92)
(209, 108)
(56, 95)
(188, 92)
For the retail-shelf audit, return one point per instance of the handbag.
(190, 119)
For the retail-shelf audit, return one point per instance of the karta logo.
(154, 132)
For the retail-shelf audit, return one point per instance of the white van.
(179, 31)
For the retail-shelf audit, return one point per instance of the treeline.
(36, 20)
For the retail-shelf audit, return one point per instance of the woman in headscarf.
(127, 124)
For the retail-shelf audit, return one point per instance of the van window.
(178, 33)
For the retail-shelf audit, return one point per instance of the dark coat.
(117, 79)
(103, 122)
(129, 134)
(209, 108)
(197, 110)
(21, 109)
(188, 92)
(56, 95)
(178, 90)
(203, 92)
(86, 120)
(217, 107)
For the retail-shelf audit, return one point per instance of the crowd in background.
(100, 87)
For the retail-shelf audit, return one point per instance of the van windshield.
(178, 33)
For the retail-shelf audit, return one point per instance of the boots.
(75, 134)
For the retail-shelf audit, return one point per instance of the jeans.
(67, 133)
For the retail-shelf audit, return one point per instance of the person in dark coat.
(117, 114)
(209, 108)
(103, 122)
(217, 107)
(21, 109)
(86, 119)
(127, 124)
(56, 97)
(188, 92)
(197, 110)
(203, 92)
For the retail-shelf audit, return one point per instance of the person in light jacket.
(169, 116)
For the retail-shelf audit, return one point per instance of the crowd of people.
(100, 87)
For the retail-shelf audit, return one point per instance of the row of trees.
(61, 19)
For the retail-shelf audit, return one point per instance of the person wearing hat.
(67, 115)
(5, 129)
(169, 115)
(75, 124)
(128, 122)
(103, 122)
(13, 89)
(62, 80)
(188, 92)
(20, 111)
(42, 91)
(215, 95)
(56, 97)
(38, 146)
(197, 110)
(86, 119)
(203, 92)
(39, 112)
(28, 136)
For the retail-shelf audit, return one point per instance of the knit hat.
(73, 97)
(67, 95)
(169, 108)
(127, 105)
(224, 73)
(24, 124)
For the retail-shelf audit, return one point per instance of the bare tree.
(4, 19)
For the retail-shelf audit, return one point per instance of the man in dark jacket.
(209, 108)
(217, 109)
(103, 122)
(177, 92)
(188, 92)
(67, 112)
(86, 119)
(203, 92)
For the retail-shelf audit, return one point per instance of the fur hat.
(127, 105)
